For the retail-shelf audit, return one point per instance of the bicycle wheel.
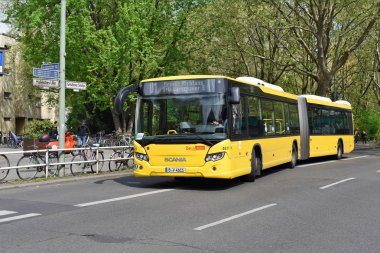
(101, 162)
(10, 143)
(4, 162)
(53, 170)
(29, 172)
(130, 163)
(87, 152)
(115, 165)
(80, 167)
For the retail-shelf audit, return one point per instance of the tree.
(337, 29)
(110, 44)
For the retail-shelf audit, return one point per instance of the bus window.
(314, 120)
(332, 121)
(268, 117)
(325, 122)
(286, 114)
(255, 122)
(279, 117)
(341, 123)
(349, 122)
(239, 119)
(294, 123)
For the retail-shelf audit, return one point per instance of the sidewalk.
(67, 179)
(368, 145)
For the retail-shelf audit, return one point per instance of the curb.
(365, 147)
(69, 179)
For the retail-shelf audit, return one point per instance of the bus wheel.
(255, 169)
(339, 151)
(293, 162)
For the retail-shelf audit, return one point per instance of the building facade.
(20, 102)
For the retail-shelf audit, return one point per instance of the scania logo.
(175, 159)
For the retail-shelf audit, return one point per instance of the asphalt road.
(320, 206)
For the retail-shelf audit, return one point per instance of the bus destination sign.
(177, 87)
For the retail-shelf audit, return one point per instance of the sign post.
(62, 62)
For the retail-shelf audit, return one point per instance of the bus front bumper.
(209, 170)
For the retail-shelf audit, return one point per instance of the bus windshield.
(184, 117)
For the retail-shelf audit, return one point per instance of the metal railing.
(47, 152)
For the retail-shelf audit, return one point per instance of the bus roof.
(267, 90)
(184, 77)
(328, 103)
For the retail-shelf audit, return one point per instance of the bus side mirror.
(235, 95)
(122, 95)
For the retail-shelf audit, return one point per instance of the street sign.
(46, 74)
(51, 66)
(75, 85)
(46, 83)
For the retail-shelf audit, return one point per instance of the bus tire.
(293, 162)
(339, 153)
(255, 169)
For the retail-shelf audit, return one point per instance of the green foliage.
(109, 44)
(370, 122)
(114, 44)
(34, 129)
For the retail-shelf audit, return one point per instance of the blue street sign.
(1, 62)
(47, 74)
(50, 66)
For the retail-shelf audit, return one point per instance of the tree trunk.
(116, 121)
(323, 85)
(131, 120)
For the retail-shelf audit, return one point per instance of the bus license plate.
(175, 170)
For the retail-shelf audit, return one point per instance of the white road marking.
(356, 157)
(341, 181)
(122, 198)
(5, 212)
(18, 217)
(346, 159)
(234, 217)
(378, 171)
(312, 164)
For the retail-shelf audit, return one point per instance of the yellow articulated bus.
(221, 127)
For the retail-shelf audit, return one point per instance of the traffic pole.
(62, 55)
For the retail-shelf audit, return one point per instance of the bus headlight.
(142, 157)
(214, 157)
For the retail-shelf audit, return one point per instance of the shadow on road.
(201, 184)
(207, 184)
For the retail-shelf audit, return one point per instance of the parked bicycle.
(35, 159)
(87, 159)
(4, 162)
(14, 141)
(117, 139)
(121, 154)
